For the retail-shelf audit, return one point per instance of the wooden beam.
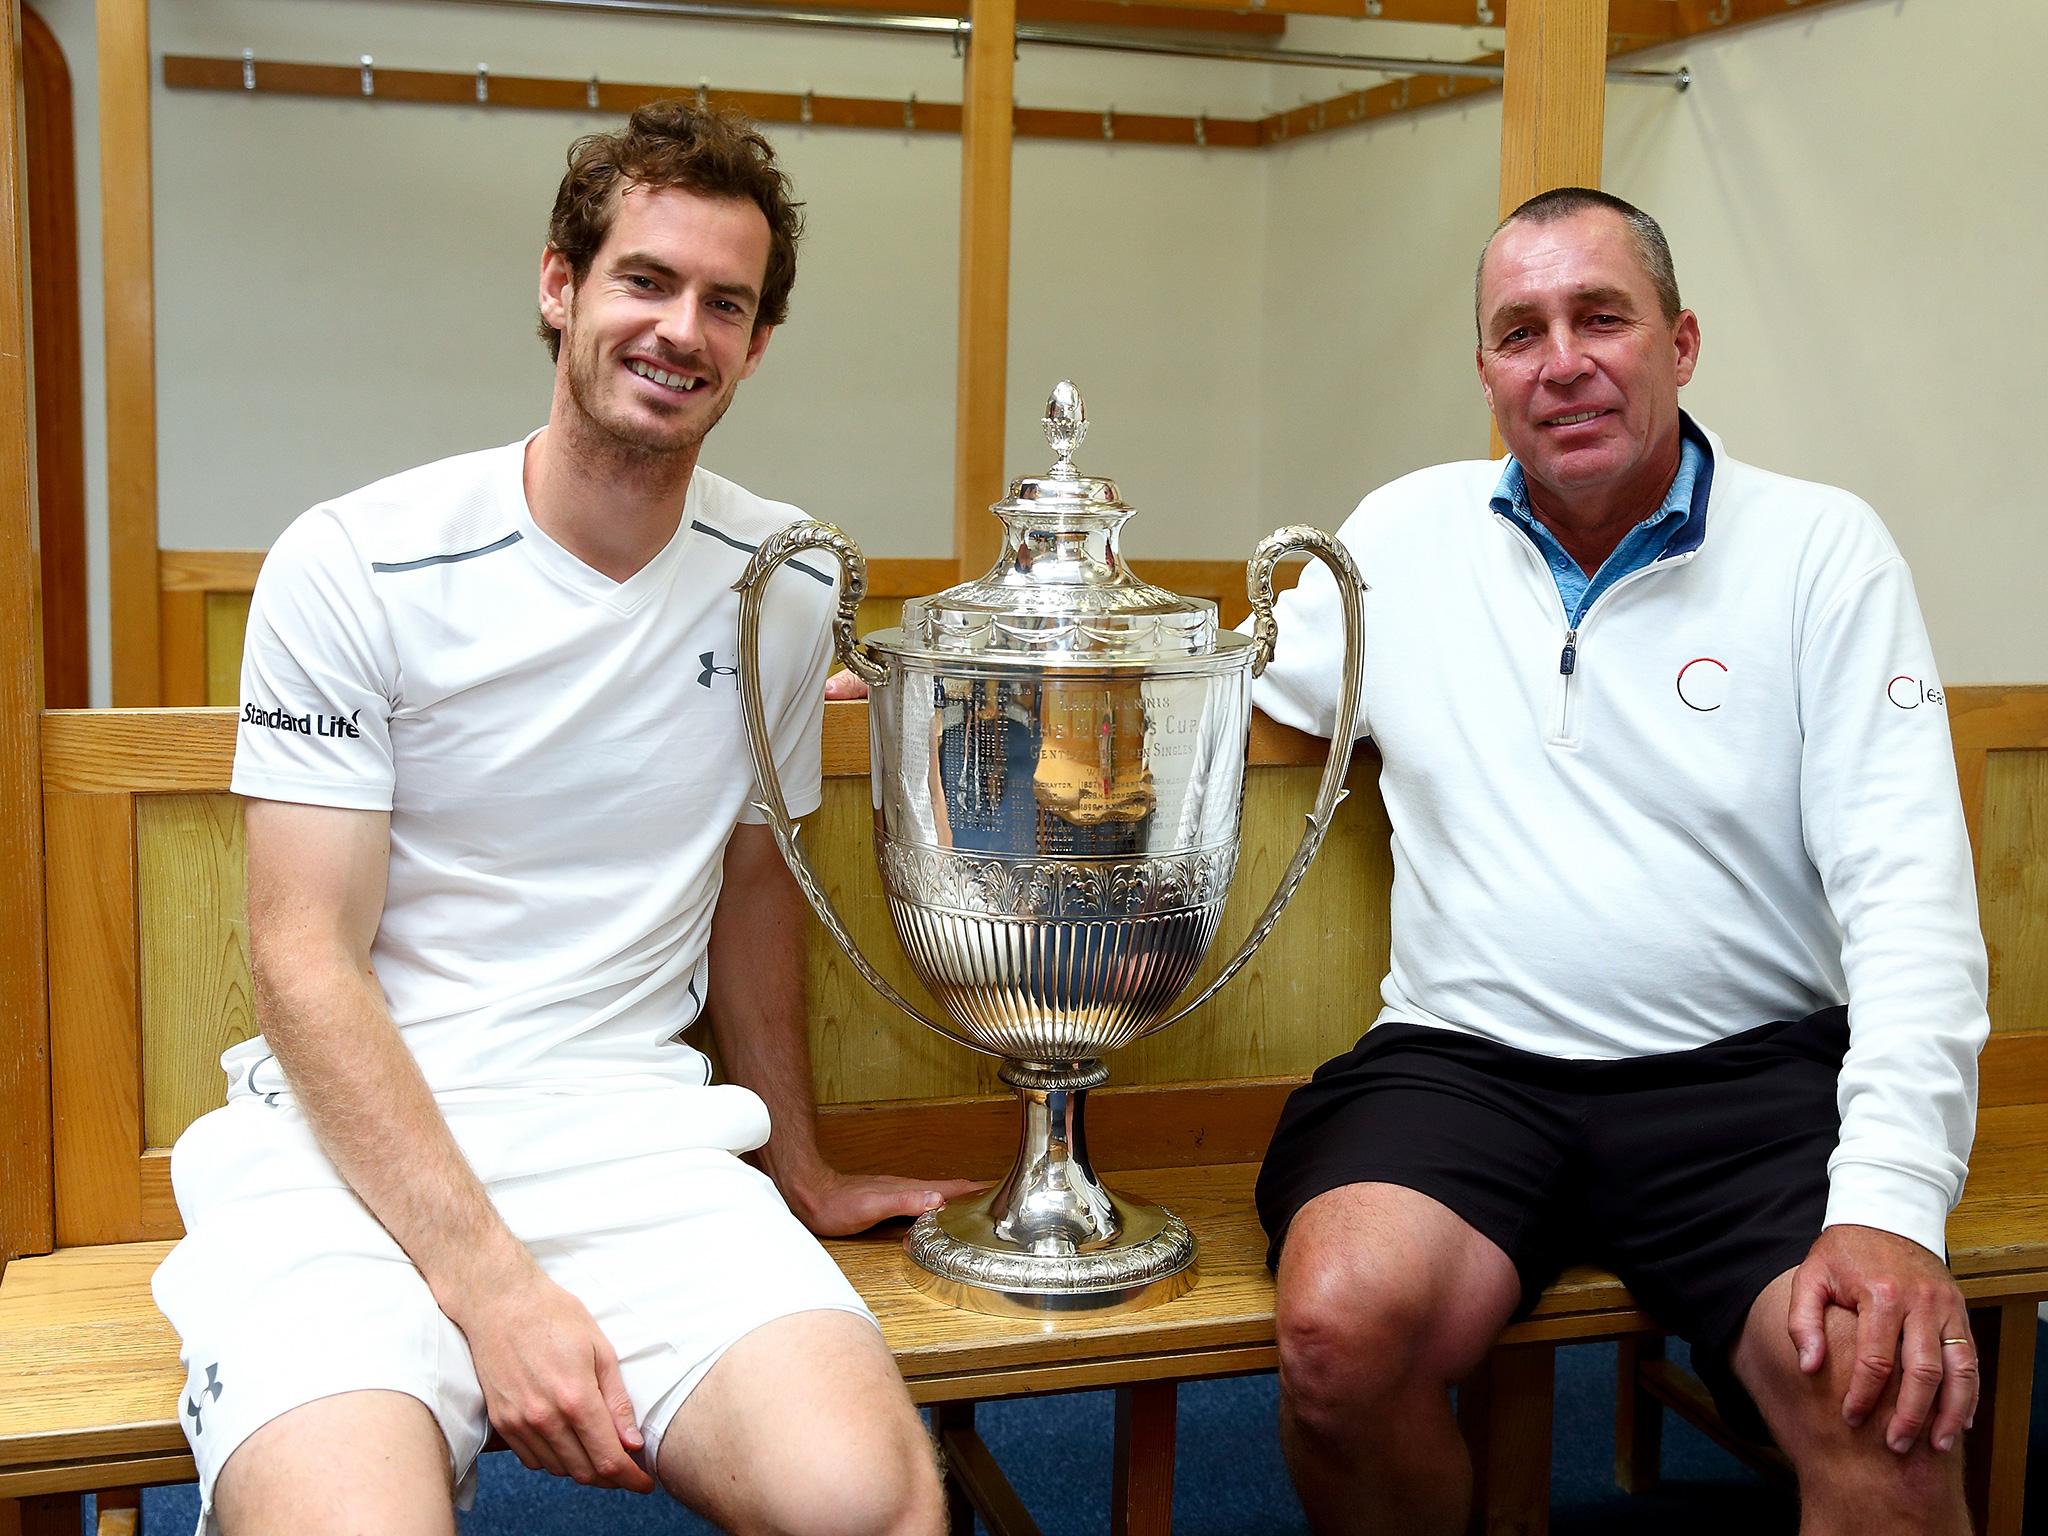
(1554, 99)
(24, 994)
(1172, 15)
(984, 340)
(60, 436)
(537, 93)
(128, 264)
(1626, 18)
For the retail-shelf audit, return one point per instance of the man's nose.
(1564, 360)
(681, 324)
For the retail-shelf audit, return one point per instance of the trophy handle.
(1265, 632)
(857, 658)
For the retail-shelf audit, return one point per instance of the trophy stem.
(1049, 1237)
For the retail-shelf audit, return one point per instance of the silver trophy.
(1058, 757)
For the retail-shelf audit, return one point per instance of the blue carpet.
(1229, 1479)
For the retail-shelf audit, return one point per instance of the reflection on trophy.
(1058, 754)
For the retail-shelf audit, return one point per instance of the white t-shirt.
(563, 757)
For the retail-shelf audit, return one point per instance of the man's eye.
(641, 281)
(1518, 334)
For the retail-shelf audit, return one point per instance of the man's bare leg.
(1850, 1482)
(361, 1461)
(1385, 1299)
(804, 1429)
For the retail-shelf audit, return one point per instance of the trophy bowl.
(1058, 756)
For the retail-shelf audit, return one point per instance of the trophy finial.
(1066, 424)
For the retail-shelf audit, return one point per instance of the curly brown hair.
(671, 144)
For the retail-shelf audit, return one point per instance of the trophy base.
(955, 1255)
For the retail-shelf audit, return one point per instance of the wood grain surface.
(196, 996)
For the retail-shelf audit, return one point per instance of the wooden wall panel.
(227, 620)
(181, 654)
(195, 991)
(2012, 887)
(95, 1047)
(986, 130)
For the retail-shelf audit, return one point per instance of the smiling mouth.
(681, 383)
(1573, 418)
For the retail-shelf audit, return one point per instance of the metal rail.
(959, 30)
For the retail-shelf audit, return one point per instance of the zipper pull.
(1570, 658)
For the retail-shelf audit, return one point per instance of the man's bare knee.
(1382, 1293)
(1849, 1478)
(370, 1460)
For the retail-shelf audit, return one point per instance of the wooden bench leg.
(1995, 1465)
(1504, 1410)
(1638, 1419)
(1141, 1480)
(975, 1484)
(47, 1514)
(120, 1511)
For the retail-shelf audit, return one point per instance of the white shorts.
(286, 1289)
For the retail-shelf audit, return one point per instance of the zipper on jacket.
(1561, 733)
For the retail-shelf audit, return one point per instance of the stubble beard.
(630, 448)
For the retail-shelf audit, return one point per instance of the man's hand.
(551, 1384)
(1909, 1317)
(834, 1204)
(844, 685)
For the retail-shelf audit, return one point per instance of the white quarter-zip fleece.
(1739, 804)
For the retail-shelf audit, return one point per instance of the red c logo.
(1702, 692)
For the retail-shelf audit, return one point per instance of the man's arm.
(1884, 828)
(758, 1017)
(551, 1383)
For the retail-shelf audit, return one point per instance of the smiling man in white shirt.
(501, 855)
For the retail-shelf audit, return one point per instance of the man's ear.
(1479, 362)
(557, 288)
(1685, 337)
(756, 345)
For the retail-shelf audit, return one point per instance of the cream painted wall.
(1855, 199)
(346, 289)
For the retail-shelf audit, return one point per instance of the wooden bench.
(148, 983)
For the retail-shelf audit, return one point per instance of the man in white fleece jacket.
(1686, 972)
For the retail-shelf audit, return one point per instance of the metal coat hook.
(483, 82)
(703, 93)
(369, 75)
(1400, 101)
(248, 69)
(1373, 7)
(590, 94)
(1444, 86)
(803, 108)
(1109, 122)
(910, 114)
(1315, 119)
(1485, 14)
(1202, 128)
(1718, 16)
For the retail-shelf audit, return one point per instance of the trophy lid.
(1059, 588)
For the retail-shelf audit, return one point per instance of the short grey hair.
(1653, 251)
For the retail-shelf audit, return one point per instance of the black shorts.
(1697, 1177)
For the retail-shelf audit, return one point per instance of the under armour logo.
(706, 660)
(211, 1391)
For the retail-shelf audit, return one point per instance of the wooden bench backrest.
(149, 973)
